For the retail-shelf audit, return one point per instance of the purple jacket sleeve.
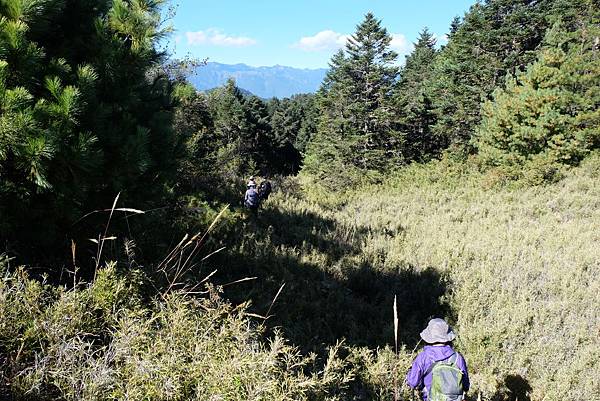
(462, 365)
(414, 378)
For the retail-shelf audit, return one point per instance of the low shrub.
(98, 342)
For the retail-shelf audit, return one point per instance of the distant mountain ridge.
(266, 82)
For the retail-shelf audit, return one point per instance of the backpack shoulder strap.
(430, 368)
(451, 359)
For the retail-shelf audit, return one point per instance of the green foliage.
(194, 125)
(293, 123)
(549, 114)
(495, 38)
(231, 130)
(85, 113)
(241, 128)
(414, 100)
(356, 131)
(229, 134)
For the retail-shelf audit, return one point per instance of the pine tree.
(85, 113)
(413, 100)
(549, 114)
(495, 38)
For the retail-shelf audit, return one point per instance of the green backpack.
(446, 380)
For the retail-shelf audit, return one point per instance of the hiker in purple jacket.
(438, 336)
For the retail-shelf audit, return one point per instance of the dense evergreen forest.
(463, 179)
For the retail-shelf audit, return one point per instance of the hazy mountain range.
(266, 82)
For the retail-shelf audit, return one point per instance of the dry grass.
(100, 342)
(519, 268)
(523, 266)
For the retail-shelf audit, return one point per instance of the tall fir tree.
(328, 151)
(372, 70)
(356, 134)
(414, 100)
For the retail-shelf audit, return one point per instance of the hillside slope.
(515, 270)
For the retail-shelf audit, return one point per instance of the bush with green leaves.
(85, 113)
(548, 115)
(98, 341)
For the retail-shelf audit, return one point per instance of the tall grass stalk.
(396, 394)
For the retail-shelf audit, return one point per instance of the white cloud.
(217, 38)
(441, 40)
(329, 40)
(323, 41)
(400, 44)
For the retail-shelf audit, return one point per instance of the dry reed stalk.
(178, 261)
(396, 395)
(73, 254)
(273, 302)
(242, 280)
(102, 238)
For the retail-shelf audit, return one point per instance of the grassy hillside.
(515, 269)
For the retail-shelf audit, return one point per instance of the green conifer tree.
(356, 133)
(373, 74)
(292, 122)
(549, 114)
(231, 126)
(85, 113)
(495, 38)
(413, 100)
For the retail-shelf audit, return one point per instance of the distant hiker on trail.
(264, 190)
(251, 181)
(251, 199)
(439, 372)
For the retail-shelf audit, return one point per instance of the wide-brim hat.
(437, 331)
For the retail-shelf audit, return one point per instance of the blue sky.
(297, 33)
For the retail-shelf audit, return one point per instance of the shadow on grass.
(330, 296)
(516, 388)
